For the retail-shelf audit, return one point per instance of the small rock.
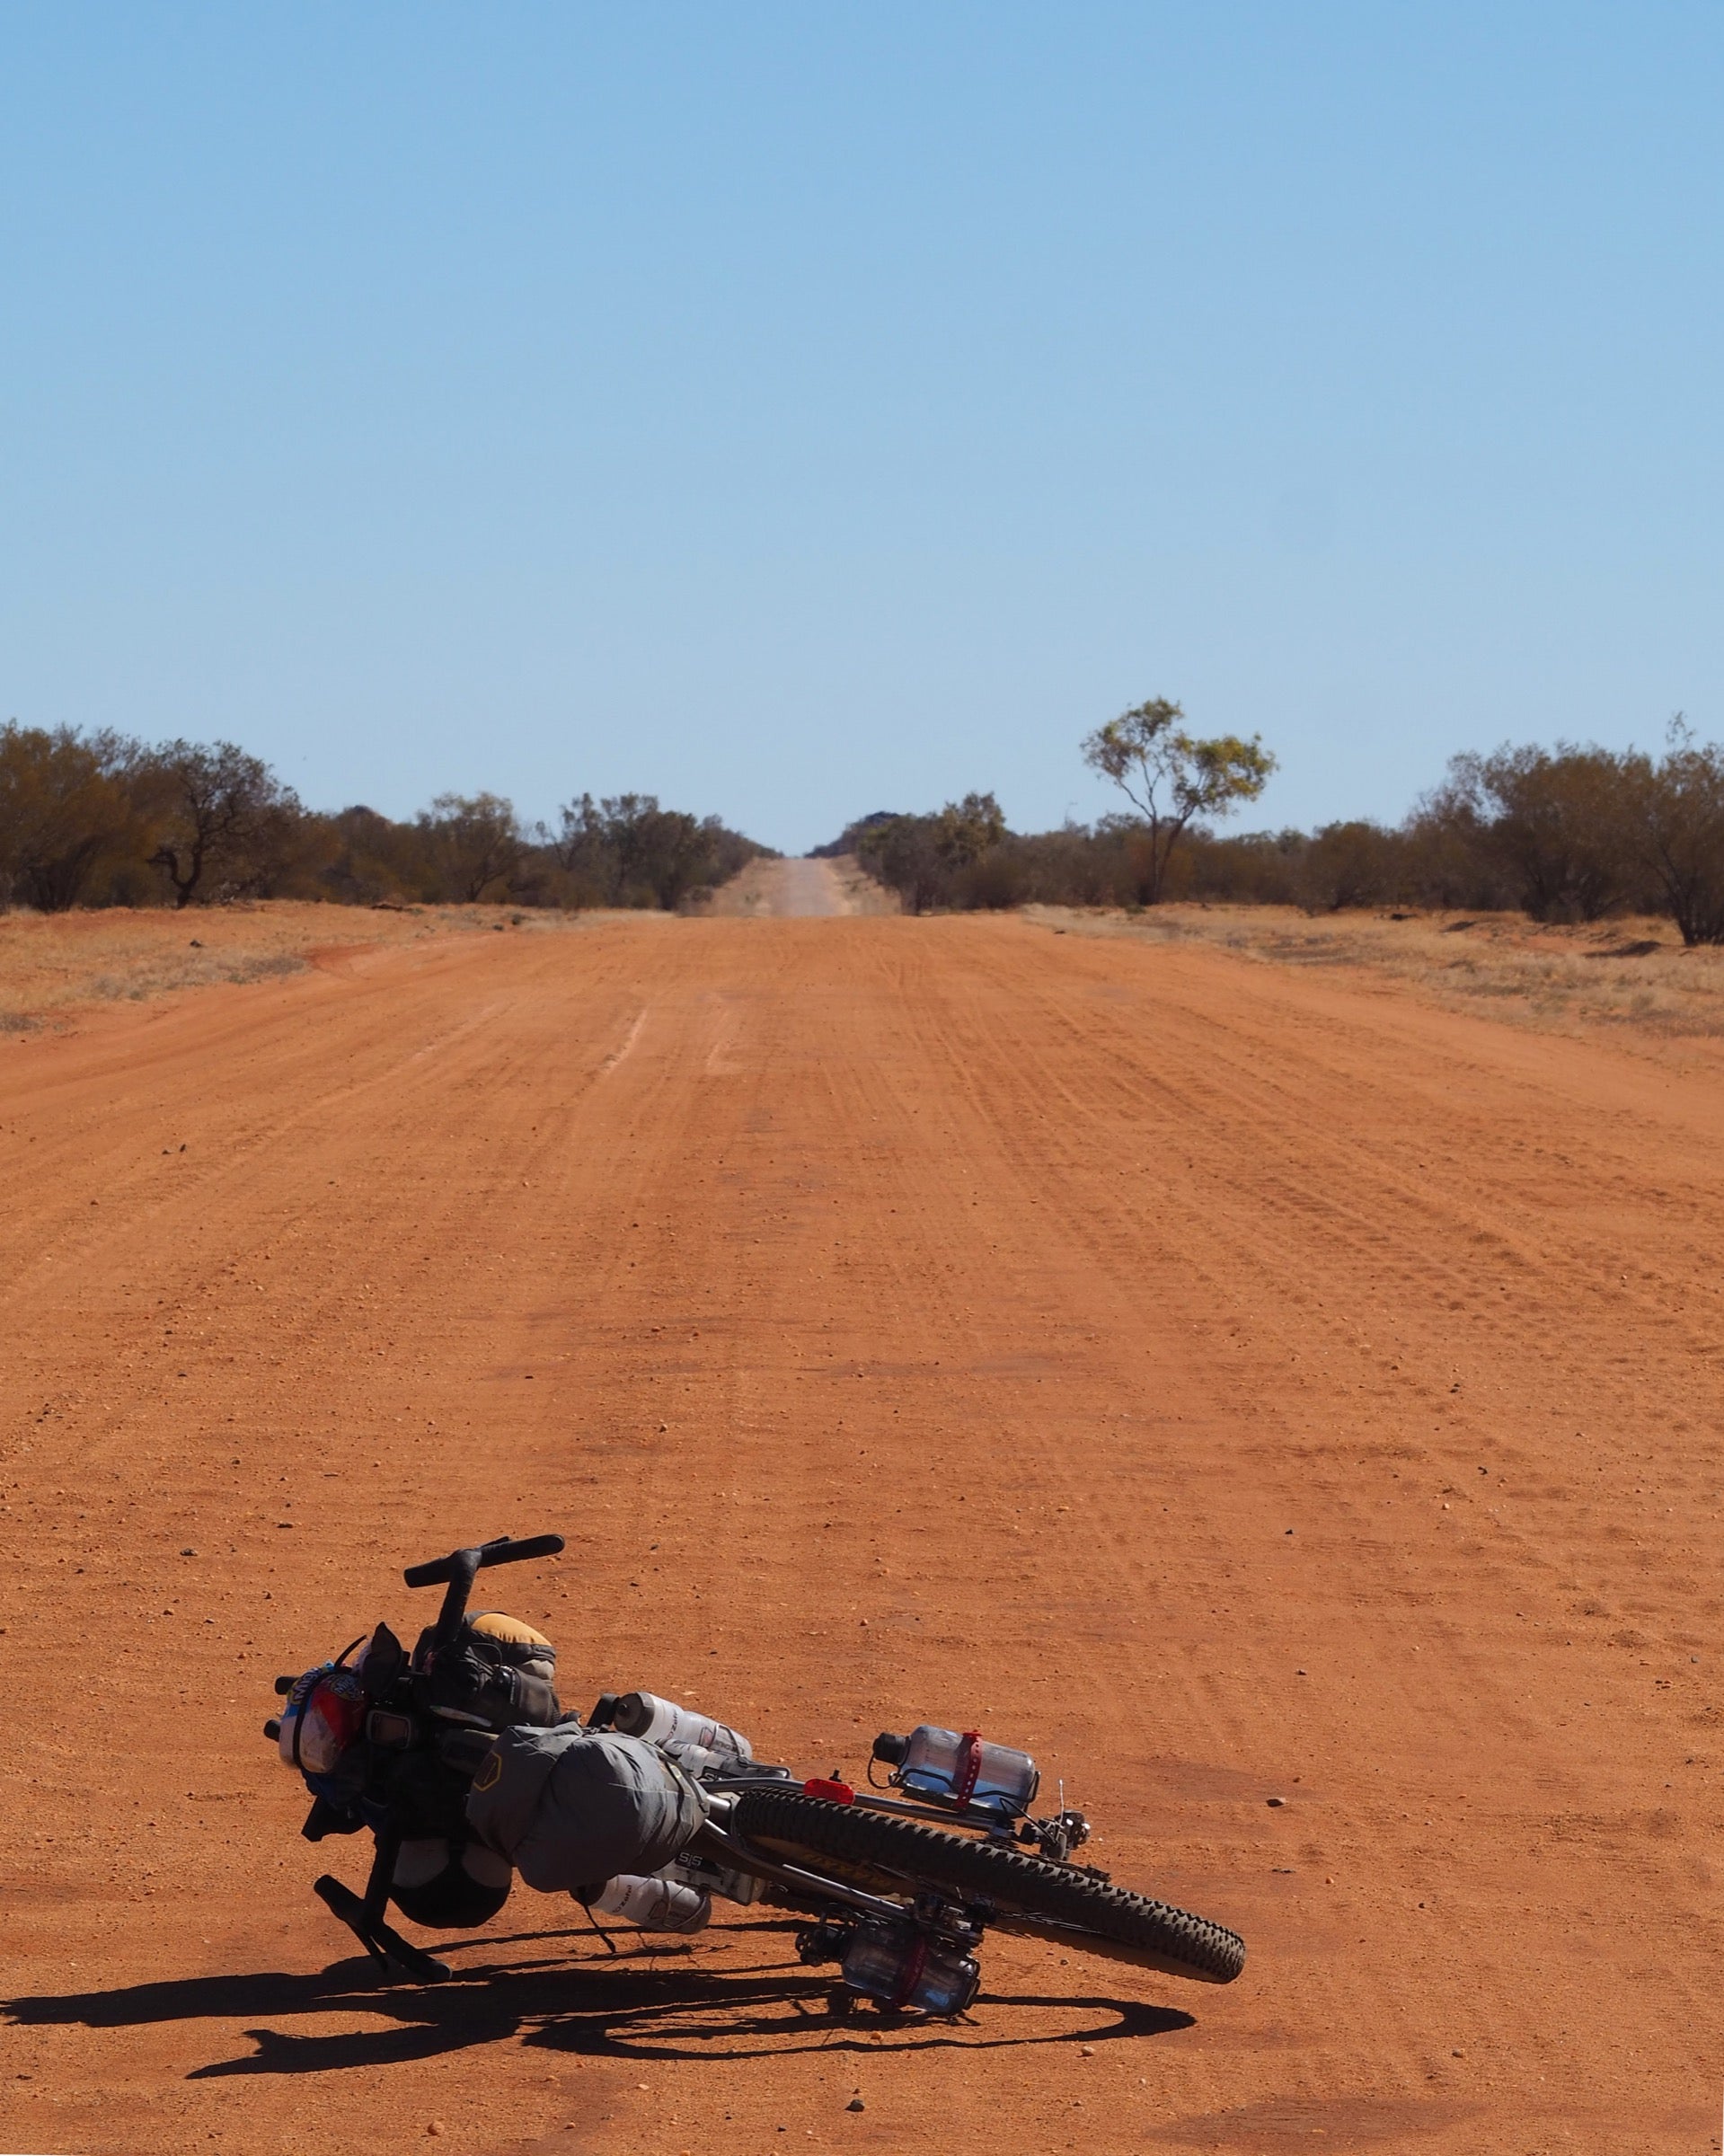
(855, 2104)
(436, 2126)
(1275, 1803)
(197, 944)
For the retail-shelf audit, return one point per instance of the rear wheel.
(1028, 1894)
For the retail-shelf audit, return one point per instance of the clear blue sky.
(799, 409)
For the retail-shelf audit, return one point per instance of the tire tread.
(1155, 1931)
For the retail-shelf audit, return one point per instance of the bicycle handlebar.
(462, 1567)
(502, 1551)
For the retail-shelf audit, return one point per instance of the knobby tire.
(1028, 1892)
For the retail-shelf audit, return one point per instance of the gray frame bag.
(570, 1810)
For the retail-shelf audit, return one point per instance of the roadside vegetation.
(53, 963)
(1563, 835)
(1566, 834)
(97, 820)
(1627, 975)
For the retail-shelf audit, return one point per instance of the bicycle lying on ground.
(899, 1879)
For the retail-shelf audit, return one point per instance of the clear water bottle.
(696, 1760)
(901, 1968)
(654, 1904)
(677, 1728)
(708, 1876)
(960, 1766)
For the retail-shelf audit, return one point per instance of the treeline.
(1565, 834)
(97, 820)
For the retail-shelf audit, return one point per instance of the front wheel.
(1028, 1894)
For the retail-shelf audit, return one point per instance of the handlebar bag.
(565, 1809)
(495, 1672)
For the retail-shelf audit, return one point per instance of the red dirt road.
(1227, 1384)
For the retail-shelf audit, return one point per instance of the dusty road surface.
(802, 890)
(1231, 1385)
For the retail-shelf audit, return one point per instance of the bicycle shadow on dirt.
(644, 2003)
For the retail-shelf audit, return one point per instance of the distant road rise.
(802, 890)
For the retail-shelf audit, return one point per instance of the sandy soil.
(802, 890)
(1230, 1381)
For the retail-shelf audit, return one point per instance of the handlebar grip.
(514, 1553)
(439, 1570)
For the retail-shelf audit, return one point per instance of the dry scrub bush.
(98, 820)
(1569, 834)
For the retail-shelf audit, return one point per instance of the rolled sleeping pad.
(449, 1887)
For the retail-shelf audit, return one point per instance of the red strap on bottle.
(970, 1768)
(833, 1792)
(909, 1973)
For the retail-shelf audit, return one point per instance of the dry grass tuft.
(1629, 974)
(51, 964)
(200, 969)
